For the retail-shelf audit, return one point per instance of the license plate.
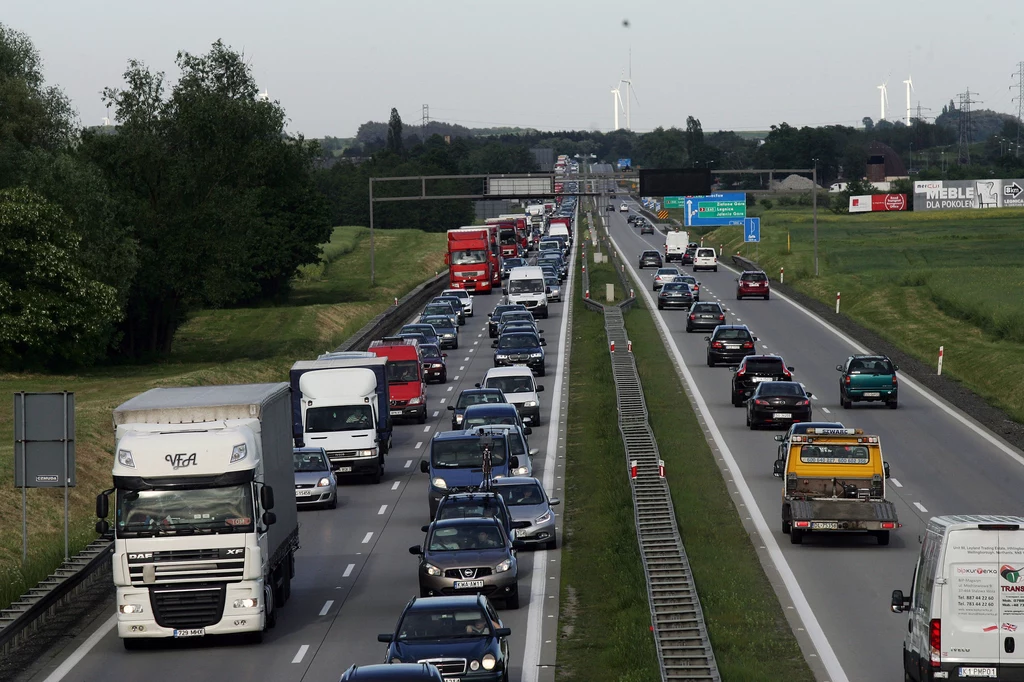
(303, 493)
(978, 672)
(468, 584)
(783, 415)
(728, 347)
(824, 525)
(758, 380)
(520, 532)
(707, 317)
(876, 394)
(395, 413)
(344, 470)
(193, 632)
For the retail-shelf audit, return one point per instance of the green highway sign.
(723, 209)
(673, 202)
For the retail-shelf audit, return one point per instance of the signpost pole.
(814, 203)
(24, 483)
(67, 556)
(372, 273)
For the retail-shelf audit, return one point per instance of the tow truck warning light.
(835, 432)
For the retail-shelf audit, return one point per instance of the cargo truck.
(202, 545)
(353, 358)
(469, 259)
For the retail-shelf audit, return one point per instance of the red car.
(753, 283)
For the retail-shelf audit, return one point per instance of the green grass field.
(919, 280)
(238, 345)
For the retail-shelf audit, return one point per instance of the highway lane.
(940, 465)
(354, 570)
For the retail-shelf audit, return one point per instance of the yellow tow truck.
(834, 481)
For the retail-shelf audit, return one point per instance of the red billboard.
(878, 202)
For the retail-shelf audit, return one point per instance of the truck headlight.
(488, 661)
(130, 608)
(431, 569)
(124, 458)
(543, 518)
(439, 482)
(247, 603)
(521, 471)
(503, 566)
(530, 403)
(238, 453)
(415, 401)
(323, 482)
(366, 453)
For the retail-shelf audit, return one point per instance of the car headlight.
(536, 355)
(543, 518)
(488, 661)
(415, 401)
(503, 566)
(474, 665)
(521, 471)
(530, 403)
(458, 418)
(133, 608)
(449, 336)
(372, 452)
(124, 458)
(248, 603)
(431, 569)
(323, 482)
(438, 482)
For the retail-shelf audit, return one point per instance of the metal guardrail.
(396, 314)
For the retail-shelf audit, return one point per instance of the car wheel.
(716, 268)
(541, 372)
(847, 404)
(738, 297)
(767, 296)
(883, 537)
(512, 602)
(748, 421)
(660, 306)
(688, 329)
(737, 402)
(456, 346)
(444, 377)
(422, 419)
(710, 363)
(333, 504)
(892, 404)
(796, 536)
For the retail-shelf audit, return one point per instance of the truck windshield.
(204, 510)
(339, 418)
(508, 237)
(469, 257)
(834, 454)
(526, 286)
(403, 372)
(455, 454)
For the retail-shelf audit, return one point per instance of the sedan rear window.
(706, 308)
(651, 254)
(731, 334)
(764, 365)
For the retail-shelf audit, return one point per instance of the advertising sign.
(937, 195)
(878, 202)
(625, 163)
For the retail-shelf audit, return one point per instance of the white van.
(560, 230)
(705, 259)
(966, 602)
(526, 287)
(520, 389)
(675, 245)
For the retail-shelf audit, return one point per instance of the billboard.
(681, 182)
(510, 187)
(878, 202)
(625, 164)
(937, 195)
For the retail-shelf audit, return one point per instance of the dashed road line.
(919, 506)
(301, 653)
(348, 570)
(383, 508)
(394, 486)
(366, 538)
(327, 607)
(895, 482)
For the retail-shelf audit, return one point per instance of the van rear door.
(1011, 597)
(970, 599)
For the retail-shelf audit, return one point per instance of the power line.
(965, 128)
(426, 116)
(1020, 101)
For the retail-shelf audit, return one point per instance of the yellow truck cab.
(834, 481)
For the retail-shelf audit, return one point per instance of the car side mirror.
(895, 368)
(778, 470)
(424, 467)
(707, 338)
(754, 337)
(503, 632)
(543, 342)
(533, 452)
(885, 468)
(386, 638)
(899, 602)
(554, 502)
(527, 430)
(494, 344)
(779, 437)
(444, 355)
(269, 518)
(425, 528)
(416, 549)
(791, 368)
(839, 368)
(539, 389)
(809, 394)
(451, 407)
(476, 385)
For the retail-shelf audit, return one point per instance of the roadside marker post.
(782, 275)
(629, 345)
(940, 360)
(612, 346)
(632, 468)
(837, 303)
(661, 468)
(396, 300)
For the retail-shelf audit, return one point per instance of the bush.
(766, 204)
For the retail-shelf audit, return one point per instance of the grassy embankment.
(603, 273)
(919, 280)
(329, 301)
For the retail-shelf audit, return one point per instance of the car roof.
(514, 480)
(752, 272)
(801, 427)
(724, 327)
(458, 435)
(480, 390)
(513, 371)
(763, 356)
(466, 521)
(388, 672)
(492, 408)
(445, 602)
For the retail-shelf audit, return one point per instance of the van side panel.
(1011, 597)
(969, 601)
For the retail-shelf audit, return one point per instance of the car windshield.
(521, 494)
(651, 254)
(871, 366)
(516, 315)
(502, 309)
(468, 537)
(512, 384)
(753, 277)
(834, 454)
(780, 388)
(444, 624)
(509, 341)
(465, 453)
(403, 371)
(731, 335)
(551, 281)
(437, 309)
(514, 262)
(773, 365)
(339, 418)
(476, 398)
(469, 257)
(310, 461)
(438, 321)
(473, 421)
(475, 508)
(457, 293)
(676, 286)
(526, 286)
(429, 352)
(425, 329)
(200, 510)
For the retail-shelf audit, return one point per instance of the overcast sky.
(550, 64)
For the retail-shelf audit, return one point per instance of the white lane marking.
(803, 607)
(383, 508)
(394, 486)
(895, 483)
(764, 346)
(82, 651)
(479, 336)
(462, 367)
(327, 607)
(467, 359)
(418, 446)
(408, 463)
(436, 412)
(920, 507)
(443, 400)
(426, 428)
(348, 570)
(475, 342)
(366, 538)
(450, 388)
(534, 622)
(825, 410)
(301, 653)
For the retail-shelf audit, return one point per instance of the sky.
(551, 64)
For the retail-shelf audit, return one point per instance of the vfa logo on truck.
(181, 460)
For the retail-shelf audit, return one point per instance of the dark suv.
(691, 251)
(753, 283)
(650, 259)
(755, 369)
(492, 323)
(729, 344)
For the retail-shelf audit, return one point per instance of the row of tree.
(110, 236)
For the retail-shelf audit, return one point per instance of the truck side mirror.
(899, 602)
(885, 468)
(102, 527)
(102, 506)
(269, 518)
(424, 467)
(778, 469)
(267, 497)
(504, 290)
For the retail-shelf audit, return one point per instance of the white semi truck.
(202, 545)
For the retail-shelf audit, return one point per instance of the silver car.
(518, 446)
(665, 275)
(528, 502)
(315, 483)
(554, 288)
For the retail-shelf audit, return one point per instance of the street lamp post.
(814, 203)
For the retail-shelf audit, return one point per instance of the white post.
(609, 292)
(837, 303)
(940, 360)
(782, 275)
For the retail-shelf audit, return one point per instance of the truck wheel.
(270, 605)
(286, 586)
(253, 637)
(133, 643)
(796, 536)
(786, 527)
(883, 537)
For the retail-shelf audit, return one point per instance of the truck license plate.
(395, 413)
(193, 632)
(824, 525)
(876, 394)
(303, 493)
(978, 672)
(468, 584)
(783, 415)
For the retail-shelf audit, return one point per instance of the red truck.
(564, 220)
(522, 229)
(507, 239)
(469, 259)
(407, 391)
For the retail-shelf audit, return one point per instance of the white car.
(520, 389)
(705, 259)
(623, 208)
(665, 275)
(467, 300)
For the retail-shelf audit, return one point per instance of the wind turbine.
(617, 103)
(910, 86)
(106, 121)
(265, 95)
(883, 97)
(630, 93)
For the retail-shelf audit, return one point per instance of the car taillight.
(693, 317)
(716, 344)
(802, 403)
(894, 380)
(847, 381)
(721, 317)
(748, 344)
(760, 402)
(787, 372)
(741, 371)
(935, 641)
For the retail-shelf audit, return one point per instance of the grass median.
(328, 302)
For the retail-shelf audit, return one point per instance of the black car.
(456, 632)
(647, 228)
(508, 263)
(675, 295)
(705, 316)
(509, 326)
(426, 330)
(492, 323)
(802, 427)
(393, 672)
(632, 218)
(455, 303)
(447, 331)
(650, 259)
(473, 396)
(729, 344)
(688, 255)
(609, 207)
(778, 402)
(520, 348)
(435, 368)
(754, 370)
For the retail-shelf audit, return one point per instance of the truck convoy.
(469, 259)
(202, 545)
(834, 481)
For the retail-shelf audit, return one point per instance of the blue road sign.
(722, 208)
(625, 163)
(751, 229)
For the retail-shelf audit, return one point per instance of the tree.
(53, 312)
(868, 123)
(395, 142)
(694, 139)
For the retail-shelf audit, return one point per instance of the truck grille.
(470, 273)
(398, 403)
(187, 566)
(196, 607)
(460, 573)
(340, 454)
(447, 666)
